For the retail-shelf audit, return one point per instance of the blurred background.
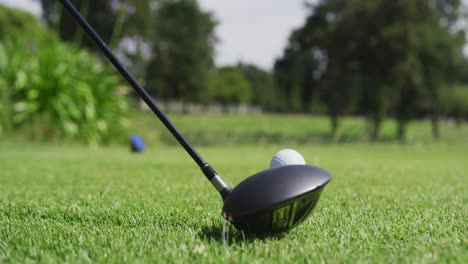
(291, 72)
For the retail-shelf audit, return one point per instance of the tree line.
(379, 59)
(375, 58)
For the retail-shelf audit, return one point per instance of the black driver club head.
(275, 200)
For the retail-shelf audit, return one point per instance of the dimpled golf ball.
(287, 157)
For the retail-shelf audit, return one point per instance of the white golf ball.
(287, 157)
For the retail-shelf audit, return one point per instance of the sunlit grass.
(386, 203)
(209, 129)
(285, 129)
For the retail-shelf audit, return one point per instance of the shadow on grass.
(232, 236)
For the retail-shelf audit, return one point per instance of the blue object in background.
(137, 143)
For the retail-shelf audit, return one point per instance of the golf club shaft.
(209, 172)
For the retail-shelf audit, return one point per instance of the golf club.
(271, 201)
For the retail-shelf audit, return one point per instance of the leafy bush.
(62, 91)
(21, 25)
(56, 91)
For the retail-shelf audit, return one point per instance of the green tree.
(183, 47)
(374, 58)
(406, 78)
(111, 18)
(263, 88)
(294, 77)
(123, 24)
(229, 86)
(441, 57)
(22, 26)
(311, 72)
(96, 12)
(328, 36)
(454, 102)
(407, 50)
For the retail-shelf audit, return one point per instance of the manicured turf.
(386, 203)
(212, 129)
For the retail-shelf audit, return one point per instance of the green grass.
(386, 203)
(286, 129)
(211, 129)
